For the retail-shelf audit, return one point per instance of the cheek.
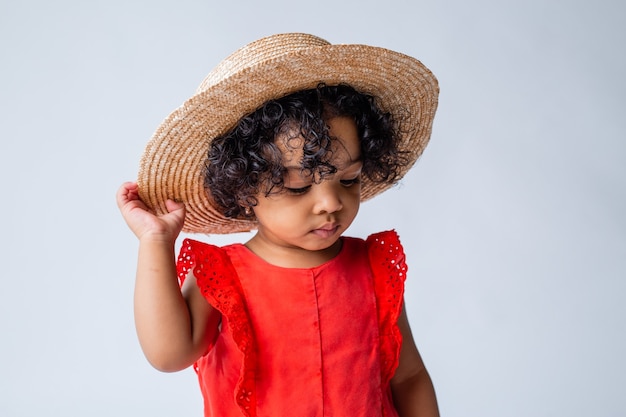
(273, 209)
(352, 200)
(354, 193)
(355, 204)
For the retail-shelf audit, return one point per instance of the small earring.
(248, 211)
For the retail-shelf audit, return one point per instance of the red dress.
(311, 342)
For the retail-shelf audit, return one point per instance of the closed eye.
(350, 182)
(298, 191)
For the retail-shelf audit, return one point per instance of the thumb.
(172, 205)
(176, 214)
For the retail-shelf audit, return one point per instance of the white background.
(513, 220)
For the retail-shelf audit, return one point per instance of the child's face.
(308, 216)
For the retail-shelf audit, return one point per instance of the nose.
(327, 198)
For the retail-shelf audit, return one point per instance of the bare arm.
(412, 388)
(174, 328)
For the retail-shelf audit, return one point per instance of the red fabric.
(312, 342)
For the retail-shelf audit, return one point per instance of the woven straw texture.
(172, 165)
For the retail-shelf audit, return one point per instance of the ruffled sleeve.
(388, 263)
(219, 284)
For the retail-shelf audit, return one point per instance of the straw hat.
(172, 165)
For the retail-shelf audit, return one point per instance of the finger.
(128, 191)
(172, 205)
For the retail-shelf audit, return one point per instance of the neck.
(293, 257)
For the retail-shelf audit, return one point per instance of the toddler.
(286, 136)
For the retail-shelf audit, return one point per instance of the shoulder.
(196, 251)
(384, 238)
(196, 246)
(202, 258)
(382, 248)
(385, 245)
(191, 246)
(386, 255)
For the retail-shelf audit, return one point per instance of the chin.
(331, 244)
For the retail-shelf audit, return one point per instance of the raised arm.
(174, 328)
(412, 388)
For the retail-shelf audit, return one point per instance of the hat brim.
(172, 166)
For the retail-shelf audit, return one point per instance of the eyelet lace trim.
(388, 264)
(219, 284)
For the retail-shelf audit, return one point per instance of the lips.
(327, 230)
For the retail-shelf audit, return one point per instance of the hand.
(142, 222)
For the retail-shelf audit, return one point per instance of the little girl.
(286, 136)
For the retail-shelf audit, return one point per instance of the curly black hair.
(246, 161)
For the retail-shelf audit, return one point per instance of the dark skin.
(301, 227)
(412, 388)
(175, 328)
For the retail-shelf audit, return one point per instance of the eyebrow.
(350, 164)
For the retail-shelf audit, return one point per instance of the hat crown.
(259, 51)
